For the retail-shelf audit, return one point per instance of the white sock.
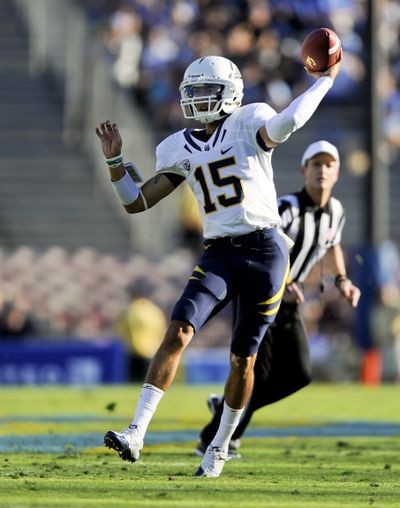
(148, 401)
(229, 421)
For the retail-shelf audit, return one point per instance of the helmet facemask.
(202, 101)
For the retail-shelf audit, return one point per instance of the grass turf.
(301, 472)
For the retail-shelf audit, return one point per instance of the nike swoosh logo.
(223, 152)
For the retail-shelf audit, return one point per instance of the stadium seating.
(48, 194)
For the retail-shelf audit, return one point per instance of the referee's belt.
(246, 240)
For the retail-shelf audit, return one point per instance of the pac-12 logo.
(185, 164)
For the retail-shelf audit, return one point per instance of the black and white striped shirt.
(314, 230)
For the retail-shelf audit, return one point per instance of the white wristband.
(299, 111)
(126, 189)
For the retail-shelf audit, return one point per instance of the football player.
(227, 164)
(314, 221)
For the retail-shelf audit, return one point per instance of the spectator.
(125, 43)
(17, 321)
(140, 326)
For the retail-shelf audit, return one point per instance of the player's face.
(321, 172)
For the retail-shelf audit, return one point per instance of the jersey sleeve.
(170, 157)
(253, 116)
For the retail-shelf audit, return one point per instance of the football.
(321, 49)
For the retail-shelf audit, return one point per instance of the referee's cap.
(320, 147)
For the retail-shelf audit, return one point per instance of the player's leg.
(237, 392)
(159, 377)
(165, 362)
(283, 350)
(260, 295)
(216, 406)
(283, 364)
(261, 289)
(208, 287)
(261, 369)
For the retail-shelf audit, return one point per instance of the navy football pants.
(252, 269)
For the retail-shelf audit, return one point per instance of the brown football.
(321, 49)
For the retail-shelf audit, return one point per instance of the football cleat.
(127, 443)
(213, 462)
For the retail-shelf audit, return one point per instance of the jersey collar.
(198, 140)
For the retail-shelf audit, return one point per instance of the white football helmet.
(220, 89)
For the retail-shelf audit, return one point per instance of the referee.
(314, 221)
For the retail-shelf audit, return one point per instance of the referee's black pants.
(282, 368)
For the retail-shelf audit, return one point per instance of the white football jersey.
(230, 174)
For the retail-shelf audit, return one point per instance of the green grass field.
(327, 446)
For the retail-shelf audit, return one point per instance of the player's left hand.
(111, 142)
(350, 292)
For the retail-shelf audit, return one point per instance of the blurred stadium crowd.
(83, 294)
(389, 77)
(80, 294)
(148, 38)
(56, 293)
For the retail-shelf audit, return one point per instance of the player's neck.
(319, 196)
(212, 126)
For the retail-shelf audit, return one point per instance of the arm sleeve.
(299, 111)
